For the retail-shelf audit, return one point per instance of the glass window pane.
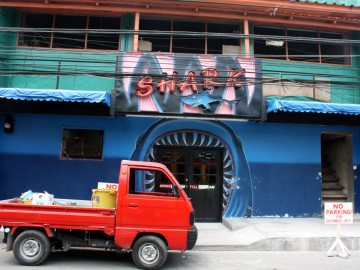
(215, 44)
(267, 49)
(82, 144)
(70, 40)
(336, 52)
(303, 50)
(150, 182)
(37, 38)
(159, 43)
(105, 41)
(188, 44)
(175, 161)
(205, 169)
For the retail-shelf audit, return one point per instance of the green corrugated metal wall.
(64, 60)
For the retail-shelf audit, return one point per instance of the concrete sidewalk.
(272, 234)
(276, 234)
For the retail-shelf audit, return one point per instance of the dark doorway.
(337, 170)
(199, 171)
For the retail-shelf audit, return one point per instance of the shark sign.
(205, 99)
(187, 85)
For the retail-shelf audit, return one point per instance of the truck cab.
(153, 200)
(152, 215)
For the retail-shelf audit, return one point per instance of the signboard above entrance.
(212, 86)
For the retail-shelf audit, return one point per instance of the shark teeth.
(197, 139)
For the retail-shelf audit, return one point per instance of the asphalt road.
(247, 260)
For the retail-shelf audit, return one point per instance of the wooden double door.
(199, 171)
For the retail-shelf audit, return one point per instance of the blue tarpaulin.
(311, 107)
(55, 95)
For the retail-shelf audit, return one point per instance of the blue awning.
(55, 95)
(312, 107)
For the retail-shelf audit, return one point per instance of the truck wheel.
(31, 247)
(149, 252)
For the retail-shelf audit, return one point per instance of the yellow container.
(103, 198)
(27, 201)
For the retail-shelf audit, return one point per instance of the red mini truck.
(152, 215)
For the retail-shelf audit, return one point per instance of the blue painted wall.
(30, 157)
(284, 160)
(285, 163)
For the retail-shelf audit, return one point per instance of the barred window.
(306, 49)
(69, 31)
(181, 37)
(82, 144)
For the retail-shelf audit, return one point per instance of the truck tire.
(31, 247)
(149, 252)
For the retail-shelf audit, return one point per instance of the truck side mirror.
(175, 191)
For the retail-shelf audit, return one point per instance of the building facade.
(253, 105)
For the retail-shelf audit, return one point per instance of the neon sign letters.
(146, 85)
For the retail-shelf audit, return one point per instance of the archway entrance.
(234, 184)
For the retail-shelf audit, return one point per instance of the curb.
(285, 244)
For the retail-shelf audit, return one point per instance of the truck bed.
(65, 214)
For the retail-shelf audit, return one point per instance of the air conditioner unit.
(276, 43)
(231, 50)
(145, 46)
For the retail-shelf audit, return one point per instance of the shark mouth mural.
(192, 138)
(237, 187)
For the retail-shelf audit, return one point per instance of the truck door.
(150, 202)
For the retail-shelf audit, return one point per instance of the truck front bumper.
(191, 238)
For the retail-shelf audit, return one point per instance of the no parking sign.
(338, 213)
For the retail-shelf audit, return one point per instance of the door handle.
(105, 213)
(133, 205)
